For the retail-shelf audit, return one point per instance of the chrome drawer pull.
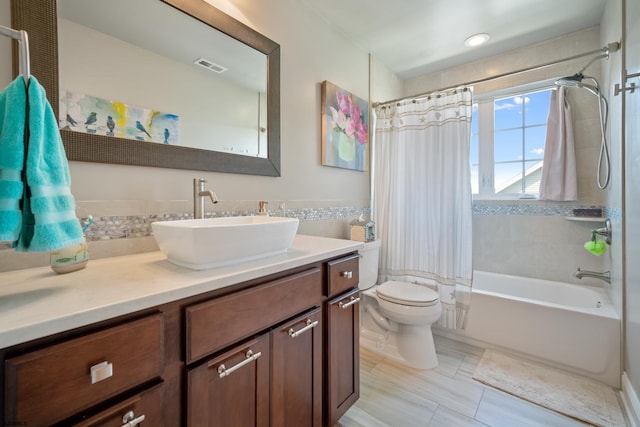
(129, 419)
(250, 357)
(310, 325)
(347, 274)
(352, 301)
(101, 371)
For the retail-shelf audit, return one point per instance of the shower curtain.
(422, 197)
(559, 173)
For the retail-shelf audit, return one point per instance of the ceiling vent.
(210, 65)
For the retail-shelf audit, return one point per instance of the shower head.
(577, 81)
(571, 81)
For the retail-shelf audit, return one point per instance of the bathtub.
(572, 327)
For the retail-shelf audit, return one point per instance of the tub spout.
(606, 276)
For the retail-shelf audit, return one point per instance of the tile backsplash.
(132, 226)
(120, 229)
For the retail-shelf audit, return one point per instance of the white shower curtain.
(422, 197)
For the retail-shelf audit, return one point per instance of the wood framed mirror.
(39, 18)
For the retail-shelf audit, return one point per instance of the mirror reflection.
(171, 80)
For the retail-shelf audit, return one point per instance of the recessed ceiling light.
(476, 40)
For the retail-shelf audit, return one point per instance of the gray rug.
(583, 399)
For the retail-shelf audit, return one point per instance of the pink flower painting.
(345, 129)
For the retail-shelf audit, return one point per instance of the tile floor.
(397, 396)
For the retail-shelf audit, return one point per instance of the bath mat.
(568, 394)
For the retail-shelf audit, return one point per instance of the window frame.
(486, 143)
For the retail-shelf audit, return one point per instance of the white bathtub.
(573, 327)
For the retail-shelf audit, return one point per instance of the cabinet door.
(231, 389)
(343, 355)
(296, 383)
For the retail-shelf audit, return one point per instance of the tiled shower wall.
(535, 239)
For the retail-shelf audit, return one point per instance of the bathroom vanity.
(138, 341)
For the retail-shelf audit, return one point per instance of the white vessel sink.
(200, 244)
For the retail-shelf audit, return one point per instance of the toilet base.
(415, 345)
(413, 348)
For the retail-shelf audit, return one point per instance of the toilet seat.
(407, 294)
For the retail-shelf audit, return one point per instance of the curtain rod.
(604, 53)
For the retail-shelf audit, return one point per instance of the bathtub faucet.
(606, 276)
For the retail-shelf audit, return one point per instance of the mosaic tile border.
(533, 209)
(132, 226)
(121, 227)
(614, 214)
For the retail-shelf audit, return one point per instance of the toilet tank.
(369, 264)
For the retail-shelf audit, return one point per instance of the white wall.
(385, 84)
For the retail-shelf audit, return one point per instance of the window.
(507, 142)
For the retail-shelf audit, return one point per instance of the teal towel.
(48, 217)
(13, 104)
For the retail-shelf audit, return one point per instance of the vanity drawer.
(342, 274)
(143, 409)
(54, 383)
(216, 324)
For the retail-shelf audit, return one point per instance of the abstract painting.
(89, 114)
(345, 129)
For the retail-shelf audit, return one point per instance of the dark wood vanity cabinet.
(312, 366)
(275, 351)
(342, 310)
(275, 378)
(343, 354)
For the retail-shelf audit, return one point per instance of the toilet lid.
(407, 294)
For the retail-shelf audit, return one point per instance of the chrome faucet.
(199, 193)
(606, 276)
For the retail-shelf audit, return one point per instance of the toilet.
(396, 317)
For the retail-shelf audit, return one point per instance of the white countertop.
(38, 302)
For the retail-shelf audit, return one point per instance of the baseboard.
(630, 401)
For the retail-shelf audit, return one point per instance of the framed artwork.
(345, 129)
(90, 114)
